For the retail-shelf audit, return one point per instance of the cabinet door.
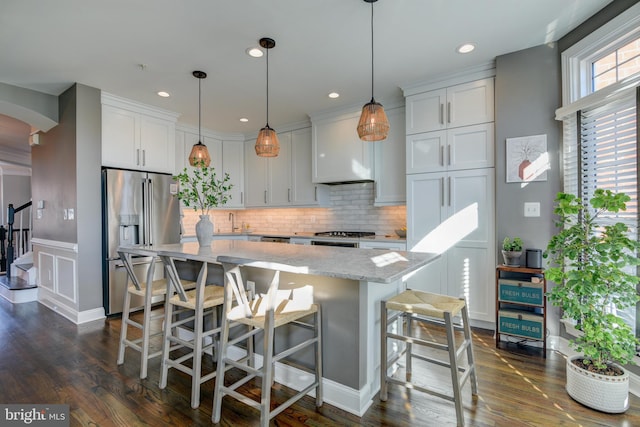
(120, 135)
(390, 167)
(470, 147)
(255, 176)
(425, 111)
(279, 174)
(338, 153)
(233, 164)
(425, 152)
(471, 227)
(303, 190)
(426, 211)
(470, 103)
(157, 144)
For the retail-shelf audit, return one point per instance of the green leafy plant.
(200, 188)
(512, 244)
(592, 263)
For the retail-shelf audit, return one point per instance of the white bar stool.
(182, 309)
(135, 260)
(265, 313)
(428, 308)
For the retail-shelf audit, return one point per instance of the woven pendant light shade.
(199, 155)
(267, 144)
(373, 124)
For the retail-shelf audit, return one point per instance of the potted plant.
(512, 251)
(201, 190)
(593, 264)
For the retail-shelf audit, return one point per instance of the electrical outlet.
(532, 209)
(71, 214)
(64, 214)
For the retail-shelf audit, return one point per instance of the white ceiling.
(321, 46)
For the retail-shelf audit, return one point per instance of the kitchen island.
(348, 283)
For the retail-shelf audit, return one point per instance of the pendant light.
(267, 144)
(373, 124)
(199, 154)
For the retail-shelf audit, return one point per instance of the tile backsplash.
(351, 208)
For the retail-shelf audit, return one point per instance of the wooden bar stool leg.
(166, 343)
(220, 370)
(383, 351)
(146, 332)
(470, 357)
(453, 361)
(408, 325)
(124, 327)
(267, 372)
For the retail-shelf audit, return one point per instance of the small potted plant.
(512, 251)
(593, 264)
(201, 190)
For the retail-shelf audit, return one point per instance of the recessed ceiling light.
(244, 120)
(163, 94)
(255, 52)
(466, 48)
(333, 95)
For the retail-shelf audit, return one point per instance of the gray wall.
(66, 174)
(527, 93)
(16, 189)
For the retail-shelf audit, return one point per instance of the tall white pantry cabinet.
(450, 192)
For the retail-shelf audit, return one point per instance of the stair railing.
(10, 233)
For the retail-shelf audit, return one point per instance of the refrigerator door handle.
(150, 210)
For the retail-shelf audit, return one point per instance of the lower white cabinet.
(452, 213)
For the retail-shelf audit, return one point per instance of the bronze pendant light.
(373, 124)
(267, 144)
(199, 156)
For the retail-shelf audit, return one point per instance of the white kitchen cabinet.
(452, 213)
(338, 153)
(135, 136)
(284, 180)
(460, 105)
(468, 147)
(233, 164)
(389, 155)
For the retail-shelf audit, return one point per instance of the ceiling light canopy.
(199, 155)
(267, 144)
(373, 124)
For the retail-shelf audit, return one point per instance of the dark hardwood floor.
(46, 359)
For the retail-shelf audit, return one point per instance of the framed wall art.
(527, 159)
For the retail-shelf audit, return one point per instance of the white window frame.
(576, 60)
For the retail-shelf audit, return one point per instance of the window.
(601, 77)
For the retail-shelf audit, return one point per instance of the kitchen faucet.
(232, 218)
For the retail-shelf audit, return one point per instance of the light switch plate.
(64, 214)
(71, 214)
(531, 208)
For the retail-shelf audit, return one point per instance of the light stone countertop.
(372, 265)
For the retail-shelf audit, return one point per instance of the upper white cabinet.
(468, 147)
(338, 153)
(136, 136)
(227, 156)
(389, 155)
(233, 164)
(460, 105)
(284, 180)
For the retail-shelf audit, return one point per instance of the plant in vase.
(200, 189)
(593, 263)
(512, 251)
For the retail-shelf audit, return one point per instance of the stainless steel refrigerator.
(138, 209)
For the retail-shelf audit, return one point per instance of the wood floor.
(46, 359)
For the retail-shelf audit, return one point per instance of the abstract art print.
(527, 159)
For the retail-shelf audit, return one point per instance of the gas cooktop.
(352, 234)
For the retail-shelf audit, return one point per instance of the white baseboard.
(47, 299)
(562, 345)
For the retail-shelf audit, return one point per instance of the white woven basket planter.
(602, 392)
